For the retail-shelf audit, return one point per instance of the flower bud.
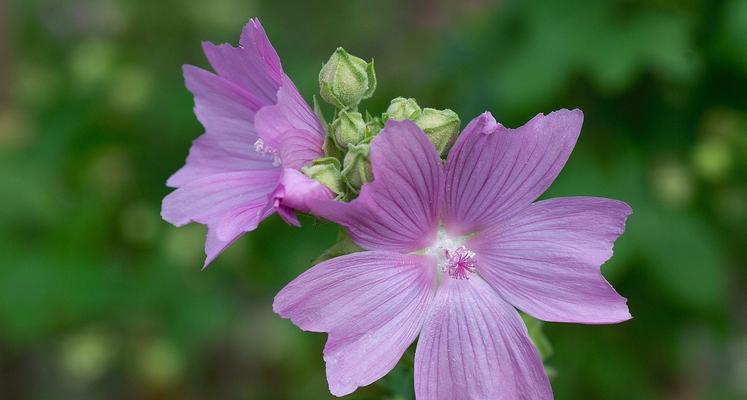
(348, 128)
(357, 166)
(401, 109)
(345, 80)
(441, 127)
(373, 125)
(327, 172)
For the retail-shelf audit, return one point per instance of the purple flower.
(450, 251)
(258, 133)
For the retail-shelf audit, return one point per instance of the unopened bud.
(327, 172)
(401, 109)
(357, 165)
(441, 127)
(373, 125)
(345, 80)
(348, 128)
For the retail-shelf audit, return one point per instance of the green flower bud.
(348, 128)
(327, 172)
(373, 125)
(357, 166)
(441, 127)
(401, 109)
(345, 80)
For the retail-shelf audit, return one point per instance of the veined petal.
(221, 105)
(254, 66)
(214, 245)
(271, 124)
(215, 153)
(300, 147)
(474, 345)
(291, 127)
(212, 197)
(296, 110)
(371, 303)
(255, 41)
(493, 172)
(399, 210)
(240, 220)
(230, 203)
(226, 111)
(546, 260)
(300, 189)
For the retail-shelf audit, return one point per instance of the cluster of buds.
(344, 81)
(441, 126)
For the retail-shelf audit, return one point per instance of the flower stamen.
(262, 148)
(459, 263)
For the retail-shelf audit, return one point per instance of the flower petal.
(299, 190)
(212, 154)
(255, 41)
(299, 148)
(254, 66)
(291, 127)
(214, 245)
(545, 260)
(372, 305)
(209, 199)
(474, 345)
(399, 209)
(226, 111)
(293, 193)
(241, 219)
(494, 172)
(221, 105)
(230, 203)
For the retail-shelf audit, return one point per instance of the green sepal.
(374, 125)
(331, 149)
(540, 341)
(326, 93)
(371, 73)
(320, 114)
(344, 246)
(356, 170)
(326, 170)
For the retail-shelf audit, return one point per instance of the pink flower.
(258, 133)
(450, 251)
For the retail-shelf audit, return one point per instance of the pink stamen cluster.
(459, 263)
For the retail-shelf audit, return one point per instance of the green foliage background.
(99, 298)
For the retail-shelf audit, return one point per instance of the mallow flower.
(259, 133)
(451, 252)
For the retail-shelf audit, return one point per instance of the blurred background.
(101, 299)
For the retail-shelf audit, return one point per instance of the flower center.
(262, 148)
(459, 262)
(454, 259)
